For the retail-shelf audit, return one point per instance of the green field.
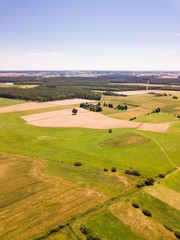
(4, 102)
(173, 182)
(106, 226)
(161, 211)
(61, 146)
(24, 86)
(83, 195)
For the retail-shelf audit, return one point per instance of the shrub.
(149, 181)
(140, 185)
(136, 205)
(175, 97)
(110, 131)
(133, 172)
(110, 105)
(113, 169)
(77, 164)
(84, 230)
(162, 175)
(74, 111)
(131, 119)
(168, 228)
(147, 213)
(105, 170)
(177, 234)
(82, 105)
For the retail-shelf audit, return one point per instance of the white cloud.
(177, 34)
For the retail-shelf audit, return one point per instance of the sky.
(90, 35)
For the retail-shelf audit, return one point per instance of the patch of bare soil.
(36, 105)
(24, 107)
(88, 119)
(70, 101)
(146, 92)
(84, 119)
(165, 194)
(146, 227)
(154, 127)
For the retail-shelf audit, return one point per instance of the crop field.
(145, 227)
(141, 107)
(56, 181)
(29, 198)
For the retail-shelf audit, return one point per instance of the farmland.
(45, 194)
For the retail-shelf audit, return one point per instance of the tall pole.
(147, 85)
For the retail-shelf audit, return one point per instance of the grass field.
(4, 102)
(41, 188)
(107, 226)
(173, 182)
(161, 211)
(24, 86)
(21, 138)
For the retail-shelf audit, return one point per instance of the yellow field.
(140, 105)
(32, 202)
(147, 228)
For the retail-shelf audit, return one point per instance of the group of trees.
(61, 87)
(91, 107)
(44, 93)
(122, 107)
(119, 107)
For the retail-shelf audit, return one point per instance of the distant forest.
(58, 88)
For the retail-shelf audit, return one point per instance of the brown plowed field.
(36, 105)
(84, 119)
(87, 119)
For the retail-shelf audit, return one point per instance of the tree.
(74, 111)
(113, 169)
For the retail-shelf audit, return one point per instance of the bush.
(175, 97)
(147, 213)
(82, 105)
(110, 131)
(113, 169)
(131, 119)
(168, 228)
(136, 205)
(177, 234)
(74, 111)
(77, 164)
(105, 170)
(110, 105)
(84, 230)
(140, 185)
(162, 175)
(133, 172)
(149, 181)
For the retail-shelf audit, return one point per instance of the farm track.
(75, 226)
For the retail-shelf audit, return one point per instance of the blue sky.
(89, 34)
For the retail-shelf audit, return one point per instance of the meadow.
(43, 189)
